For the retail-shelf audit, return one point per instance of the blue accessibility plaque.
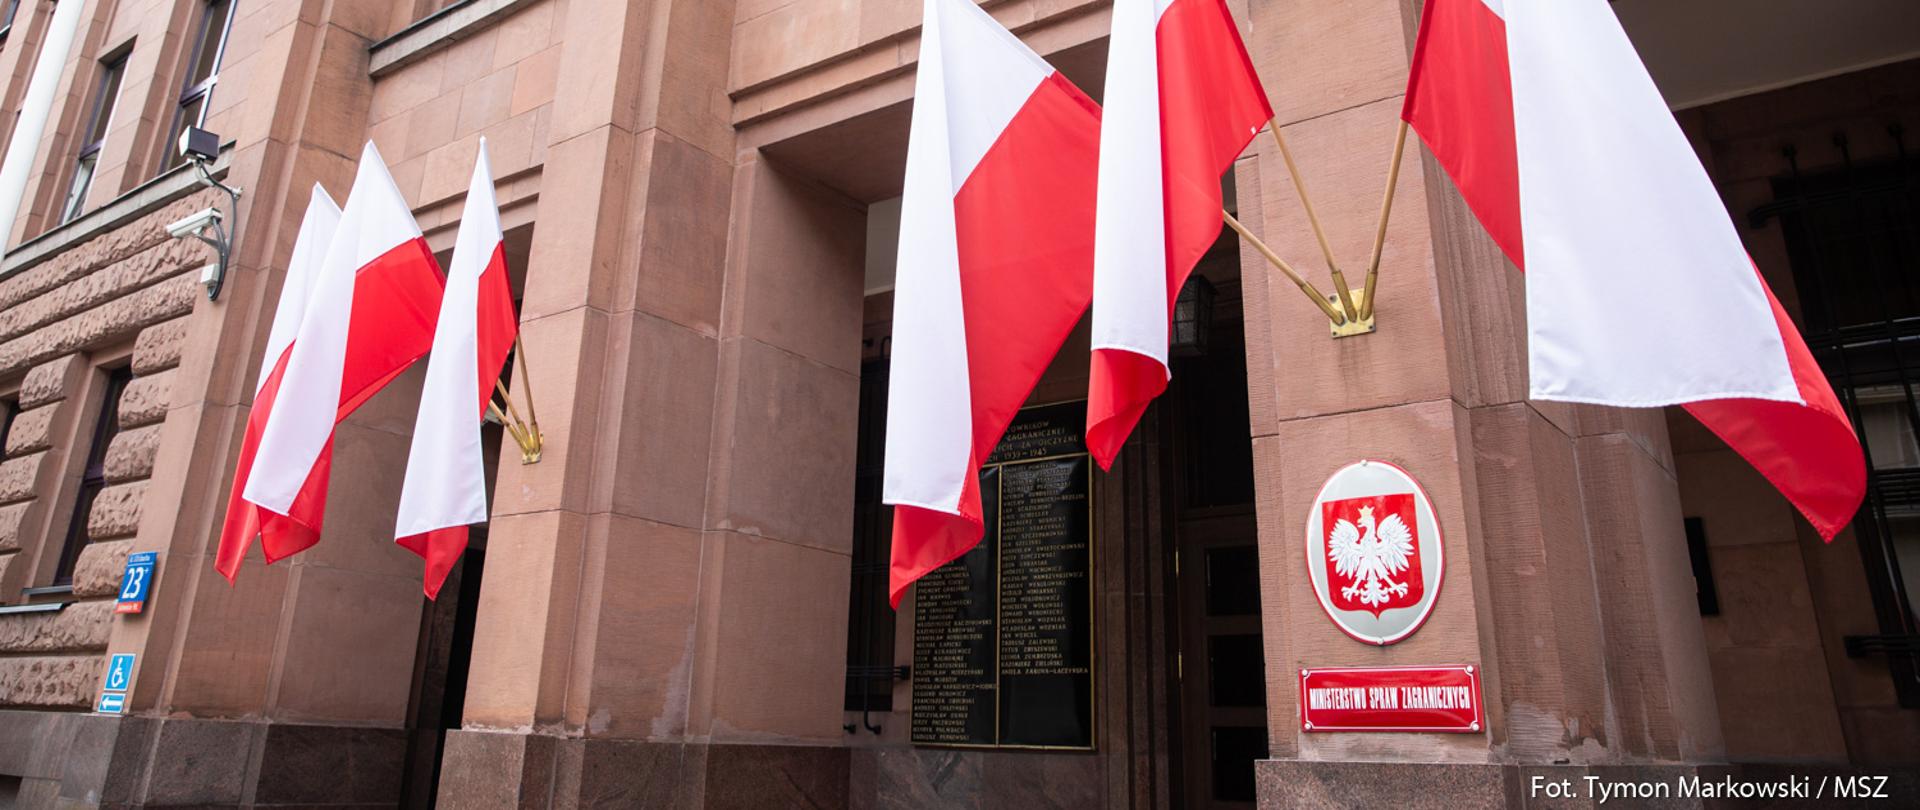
(119, 673)
(135, 583)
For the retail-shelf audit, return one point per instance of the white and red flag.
(446, 487)
(1639, 291)
(370, 315)
(244, 520)
(995, 268)
(1182, 102)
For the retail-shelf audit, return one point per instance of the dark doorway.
(1220, 671)
(440, 672)
(445, 651)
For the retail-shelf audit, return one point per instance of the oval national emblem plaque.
(1374, 552)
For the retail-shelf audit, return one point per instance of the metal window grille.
(1853, 238)
(870, 620)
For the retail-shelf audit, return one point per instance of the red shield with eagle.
(1373, 552)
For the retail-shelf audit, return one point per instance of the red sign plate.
(1432, 699)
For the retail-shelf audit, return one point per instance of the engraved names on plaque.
(1003, 636)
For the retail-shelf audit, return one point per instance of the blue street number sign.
(135, 582)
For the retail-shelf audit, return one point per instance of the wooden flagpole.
(502, 388)
(505, 423)
(526, 373)
(1319, 233)
(1386, 210)
(1274, 259)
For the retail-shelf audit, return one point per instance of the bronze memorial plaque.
(1003, 636)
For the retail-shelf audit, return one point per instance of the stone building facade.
(697, 196)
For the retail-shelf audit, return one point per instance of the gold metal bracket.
(524, 432)
(1358, 326)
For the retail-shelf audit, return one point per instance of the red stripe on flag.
(1211, 104)
(1120, 386)
(495, 322)
(495, 326)
(1024, 219)
(396, 299)
(1809, 452)
(1460, 100)
(925, 539)
(244, 521)
(441, 548)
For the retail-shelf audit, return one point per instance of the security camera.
(199, 144)
(192, 224)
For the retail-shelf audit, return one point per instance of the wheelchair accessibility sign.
(119, 672)
(113, 687)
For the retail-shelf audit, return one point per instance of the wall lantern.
(202, 148)
(1192, 318)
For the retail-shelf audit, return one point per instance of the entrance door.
(1221, 669)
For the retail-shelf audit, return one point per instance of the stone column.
(1566, 577)
(662, 618)
(291, 686)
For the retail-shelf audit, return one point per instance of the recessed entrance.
(1220, 666)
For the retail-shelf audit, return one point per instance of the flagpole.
(526, 373)
(1386, 210)
(505, 423)
(1274, 258)
(1319, 233)
(502, 388)
(526, 432)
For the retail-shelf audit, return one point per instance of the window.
(210, 41)
(98, 117)
(9, 408)
(12, 7)
(94, 477)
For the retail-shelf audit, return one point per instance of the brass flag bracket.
(524, 432)
(1349, 311)
(1355, 326)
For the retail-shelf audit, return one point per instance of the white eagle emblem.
(1370, 560)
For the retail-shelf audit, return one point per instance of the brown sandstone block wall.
(427, 118)
(129, 287)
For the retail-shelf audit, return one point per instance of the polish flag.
(1182, 103)
(244, 520)
(370, 315)
(1639, 291)
(446, 486)
(995, 268)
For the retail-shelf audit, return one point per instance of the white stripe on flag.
(446, 483)
(1130, 235)
(1639, 291)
